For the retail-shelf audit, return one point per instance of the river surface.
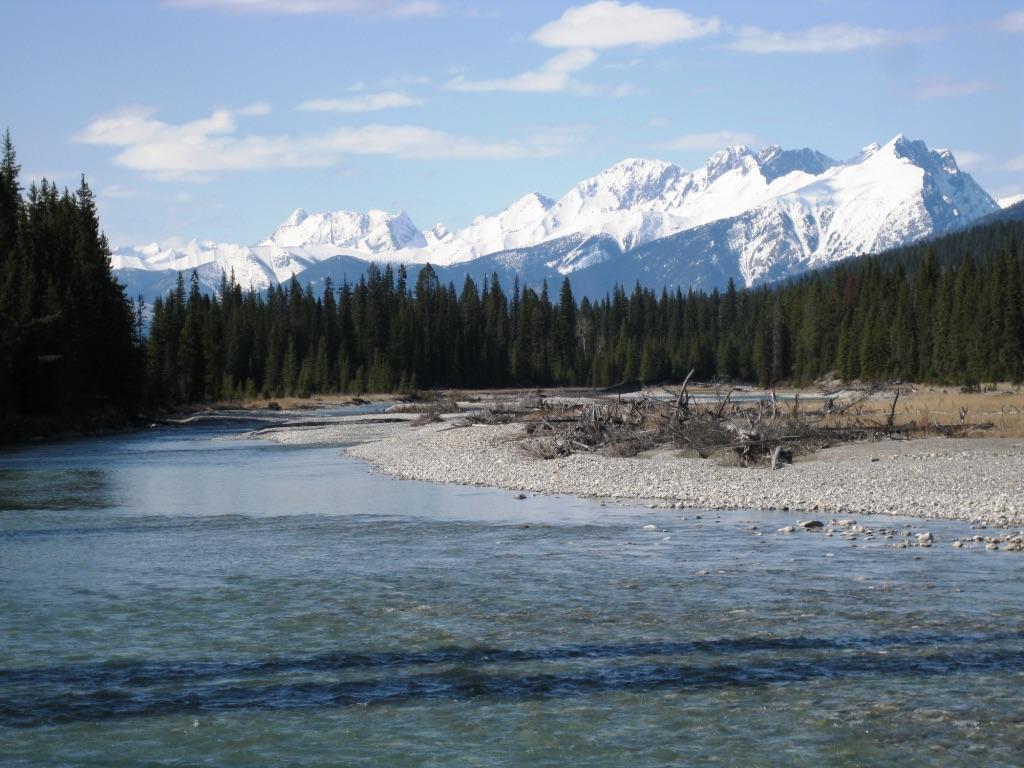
(181, 597)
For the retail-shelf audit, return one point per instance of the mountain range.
(750, 216)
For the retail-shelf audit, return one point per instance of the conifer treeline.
(927, 313)
(69, 342)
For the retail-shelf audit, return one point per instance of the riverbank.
(979, 480)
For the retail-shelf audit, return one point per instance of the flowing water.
(179, 597)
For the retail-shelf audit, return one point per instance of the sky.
(214, 119)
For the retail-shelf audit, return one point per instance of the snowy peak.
(372, 232)
(735, 158)
(531, 206)
(631, 182)
(865, 153)
(776, 162)
(517, 226)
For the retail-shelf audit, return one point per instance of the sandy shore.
(979, 480)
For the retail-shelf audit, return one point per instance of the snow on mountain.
(1006, 202)
(759, 216)
(373, 232)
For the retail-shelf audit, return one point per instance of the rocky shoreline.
(975, 480)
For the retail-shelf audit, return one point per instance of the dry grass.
(998, 413)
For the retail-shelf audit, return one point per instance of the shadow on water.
(24, 490)
(41, 696)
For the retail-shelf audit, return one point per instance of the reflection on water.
(172, 598)
(27, 489)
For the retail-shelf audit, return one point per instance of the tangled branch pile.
(758, 433)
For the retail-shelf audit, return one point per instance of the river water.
(180, 597)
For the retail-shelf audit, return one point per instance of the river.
(184, 597)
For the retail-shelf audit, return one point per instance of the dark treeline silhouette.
(931, 312)
(69, 341)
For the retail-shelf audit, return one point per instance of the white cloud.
(946, 89)
(977, 161)
(200, 149)
(399, 80)
(826, 38)
(1012, 22)
(611, 24)
(969, 159)
(369, 102)
(394, 8)
(256, 109)
(118, 192)
(713, 140)
(584, 30)
(555, 75)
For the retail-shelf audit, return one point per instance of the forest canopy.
(931, 312)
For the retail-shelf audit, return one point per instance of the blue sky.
(215, 118)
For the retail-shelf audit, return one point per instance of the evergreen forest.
(948, 311)
(71, 349)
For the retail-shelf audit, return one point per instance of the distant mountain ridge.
(751, 216)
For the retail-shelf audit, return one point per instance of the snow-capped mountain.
(372, 232)
(754, 216)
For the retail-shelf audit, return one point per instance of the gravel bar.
(978, 480)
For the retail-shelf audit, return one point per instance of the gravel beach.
(978, 480)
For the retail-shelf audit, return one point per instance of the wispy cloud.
(825, 38)
(554, 75)
(972, 160)
(611, 24)
(256, 109)
(948, 89)
(1012, 22)
(1016, 163)
(583, 31)
(118, 192)
(712, 140)
(369, 102)
(392, 8)
(200, 149)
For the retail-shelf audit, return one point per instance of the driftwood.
(683, 401)
(750, 433)
(892, 411)
(624, 388)
(776, 457)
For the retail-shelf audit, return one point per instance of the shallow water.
(177, 598)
